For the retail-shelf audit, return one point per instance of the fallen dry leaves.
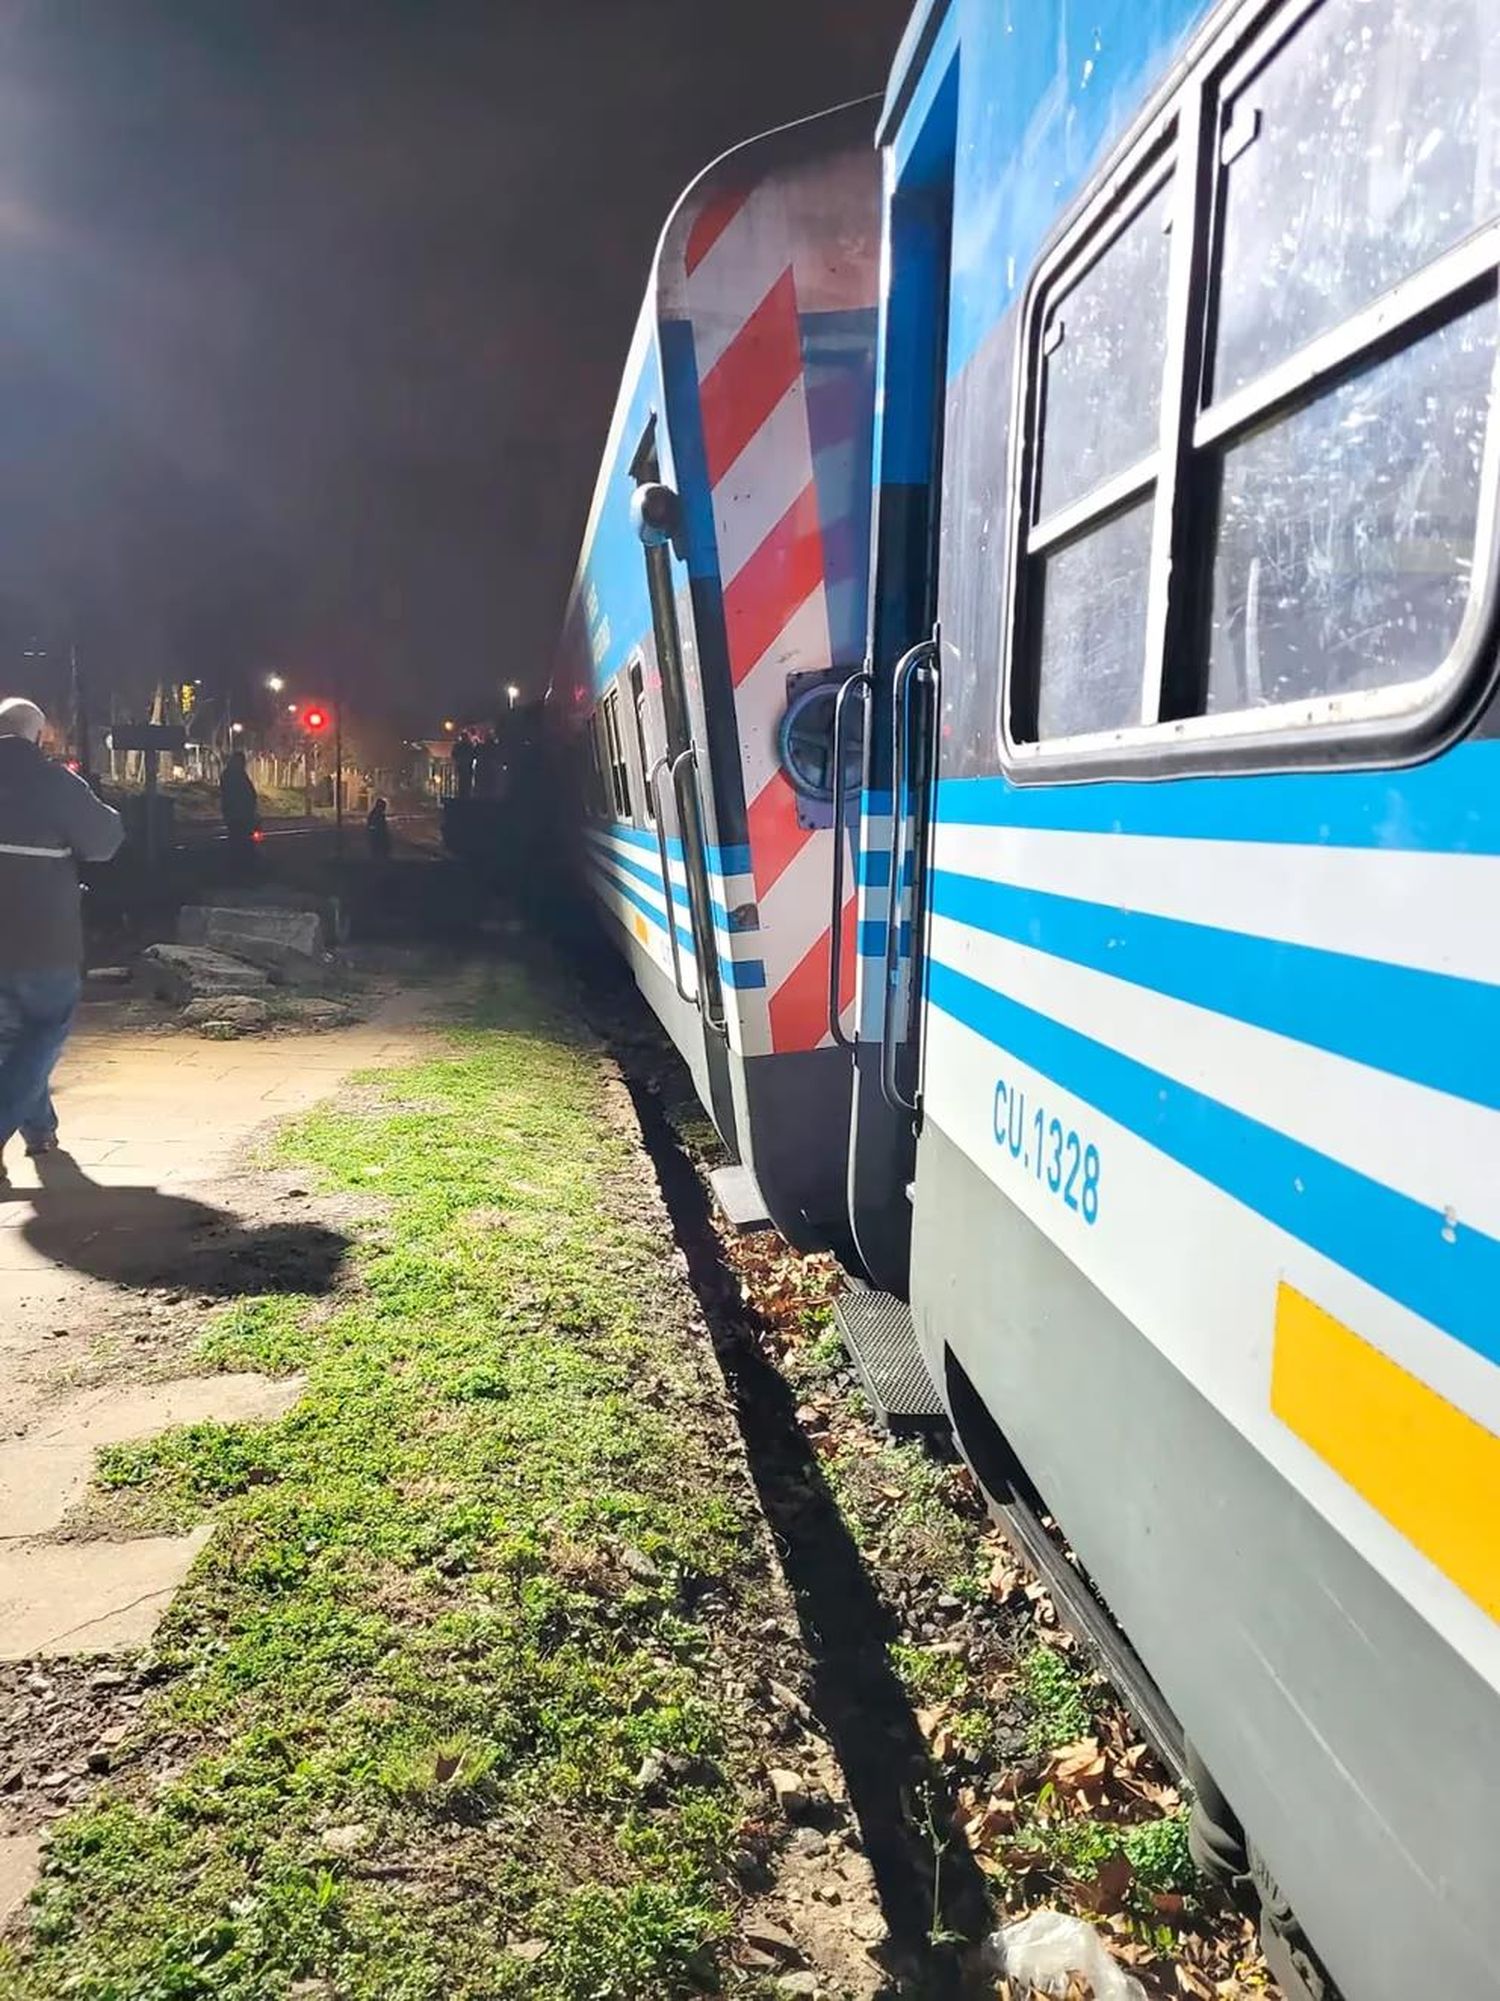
(1188, 1950)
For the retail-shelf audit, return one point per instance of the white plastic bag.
(1047, 1949)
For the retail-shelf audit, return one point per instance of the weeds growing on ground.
(1055, 1693)
(447, 1611)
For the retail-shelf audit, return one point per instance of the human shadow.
(143, 1236)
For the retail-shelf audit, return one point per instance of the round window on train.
(806, 742)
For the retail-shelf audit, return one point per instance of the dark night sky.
(312, 311)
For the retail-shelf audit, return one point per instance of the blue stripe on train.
(650, 874)
(741, 974)
(723, 861)
(1437, 1030)
(1391, 1242)
(874, 868)
(872, 939)
(648, 871)
(1444, 807)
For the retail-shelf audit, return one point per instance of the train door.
(895, 693)
(675, 798)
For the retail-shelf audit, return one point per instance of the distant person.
(378, 830)
(49, 822)
(487, 766)
(238, 804)
(465, 753)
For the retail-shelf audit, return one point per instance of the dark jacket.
(43, 806)
(239, 805)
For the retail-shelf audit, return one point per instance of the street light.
(448, 726)
(236, 729)
(275, 683)
(512, 691)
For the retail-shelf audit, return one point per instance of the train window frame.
(597, 788)
(636, 675)
(616, 766)
(1185, 126)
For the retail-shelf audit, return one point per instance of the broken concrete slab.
(280, 896)
(288, 943)
(312, 1012)
(43, 1474)
(119, 1413)
(38, 1485)
(89, 1597)
(246, 1011)
(213, 924)
(285, 964)
(182, 973)
(20, 1867)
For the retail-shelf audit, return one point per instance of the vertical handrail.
(864, 682)
(911, 665)
(693, 1000)
(708, 976)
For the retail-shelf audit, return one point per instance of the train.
(1032, 672)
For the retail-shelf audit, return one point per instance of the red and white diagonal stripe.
(752, 262)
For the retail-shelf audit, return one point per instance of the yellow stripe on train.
(1421, 1462)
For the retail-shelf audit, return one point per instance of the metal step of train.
(877, 1330)
(740, 1201)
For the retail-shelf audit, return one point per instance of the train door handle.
(687, 760)
(914, 666)
(657, 769)
(862, 683)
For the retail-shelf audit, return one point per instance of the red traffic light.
(314, 720)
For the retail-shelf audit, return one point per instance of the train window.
(638, 710)
(1100, 343)
(1346, 531)
(598, 788)
(1104, 337)
(614, 756)
(1093, 627)
(1255, 505)
(1363, 146)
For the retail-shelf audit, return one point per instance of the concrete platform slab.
(20, 1866)
(38, 1485)
(67, 1599)
(120, 1412)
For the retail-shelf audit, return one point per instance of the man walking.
(49, 822)
(463, 756)
(239, 804)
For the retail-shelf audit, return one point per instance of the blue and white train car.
(1168, 1096)
(1200, 814)
(718, 606)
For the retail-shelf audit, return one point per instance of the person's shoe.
(47, 1143)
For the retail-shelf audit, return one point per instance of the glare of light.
(291, 708)
(448, 725)
(235, 728)
(512, 691)
(275, 683)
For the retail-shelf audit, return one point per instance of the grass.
(455, 1597)
(1056, 1698)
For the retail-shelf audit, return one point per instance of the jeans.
(36, 1012)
